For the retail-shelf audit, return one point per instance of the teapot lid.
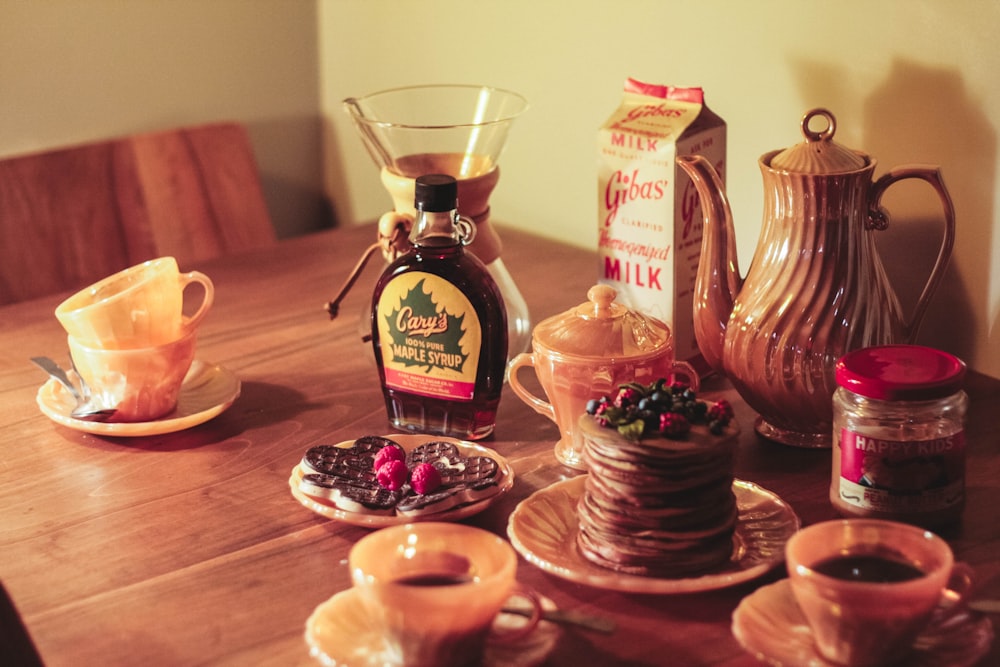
(819, 153)
(601, 328)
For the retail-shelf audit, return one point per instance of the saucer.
(207, 391)
(769, 624)
(408, 441)
(543, 529)
(340, 634)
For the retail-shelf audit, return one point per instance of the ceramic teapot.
(816, 287)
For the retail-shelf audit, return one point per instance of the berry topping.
(674, 425)
(669, 410)
(392, 475)
(425, 478)
(626, 397)
(389, 453)
(721, 410)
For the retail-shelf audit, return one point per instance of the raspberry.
(626, 397)
(721, 411)
(425, 478)
(673, 425)
(386, 454)
(392, 475)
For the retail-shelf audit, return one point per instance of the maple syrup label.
(902, 476)
(429, 337)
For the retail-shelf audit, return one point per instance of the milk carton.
(650, 219)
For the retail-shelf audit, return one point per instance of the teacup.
(434, 589)
(142, 384)
(141, 306)
(587, 352)
(868, 587)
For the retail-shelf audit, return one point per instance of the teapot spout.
(718, 280)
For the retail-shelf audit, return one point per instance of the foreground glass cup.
(433, 589)
(141, 306)
(142, 384)
(840, 576)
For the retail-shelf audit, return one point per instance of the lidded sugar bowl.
(587, 352)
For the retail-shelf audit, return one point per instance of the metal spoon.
(568, 617)
(86, 409)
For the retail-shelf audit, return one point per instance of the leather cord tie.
(392, 244)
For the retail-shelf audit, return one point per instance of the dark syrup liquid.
(475, 419)
(874, 569)
(435, 580)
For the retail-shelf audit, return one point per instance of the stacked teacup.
(130, 339)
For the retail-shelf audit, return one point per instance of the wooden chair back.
(71, 216)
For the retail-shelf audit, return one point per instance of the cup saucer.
(769, 624)
(340, 634)
(207, 391)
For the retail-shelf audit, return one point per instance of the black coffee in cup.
(869, 568)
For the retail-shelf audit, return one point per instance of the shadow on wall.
(924, 115)
(293, 189)
(334, 170)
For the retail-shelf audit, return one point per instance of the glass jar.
(899, 435)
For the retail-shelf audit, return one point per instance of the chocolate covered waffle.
(346, 477)
(375, 475)
(658, 498)
(464, 479)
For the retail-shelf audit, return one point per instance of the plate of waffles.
(543, 529)
(341, 481)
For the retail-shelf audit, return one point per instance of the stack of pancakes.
(658, 506)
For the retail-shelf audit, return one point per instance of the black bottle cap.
(436, 192)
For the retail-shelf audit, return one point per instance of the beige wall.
(77, 70)
(911, 81)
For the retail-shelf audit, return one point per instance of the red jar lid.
(900, 373)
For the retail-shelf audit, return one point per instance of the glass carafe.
(458, 130)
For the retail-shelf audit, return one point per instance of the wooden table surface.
(188, 549)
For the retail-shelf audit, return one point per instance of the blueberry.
(661, 397)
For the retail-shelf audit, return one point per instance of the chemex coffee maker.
(458, 130)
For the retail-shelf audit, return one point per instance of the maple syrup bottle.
(439, 326)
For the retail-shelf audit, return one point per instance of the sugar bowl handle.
(538, 405)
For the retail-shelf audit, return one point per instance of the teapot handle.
(878, 218)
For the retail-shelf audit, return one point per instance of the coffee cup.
(433, 590)
(867, 587)
(139, 307)
(587, 352)
(142, 384)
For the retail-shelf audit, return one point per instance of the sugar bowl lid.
(819, 153)
(604, 329)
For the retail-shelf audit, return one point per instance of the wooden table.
(187, 548)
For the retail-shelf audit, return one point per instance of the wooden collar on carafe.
(473, 203)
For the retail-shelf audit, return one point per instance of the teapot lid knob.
(825, 135)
